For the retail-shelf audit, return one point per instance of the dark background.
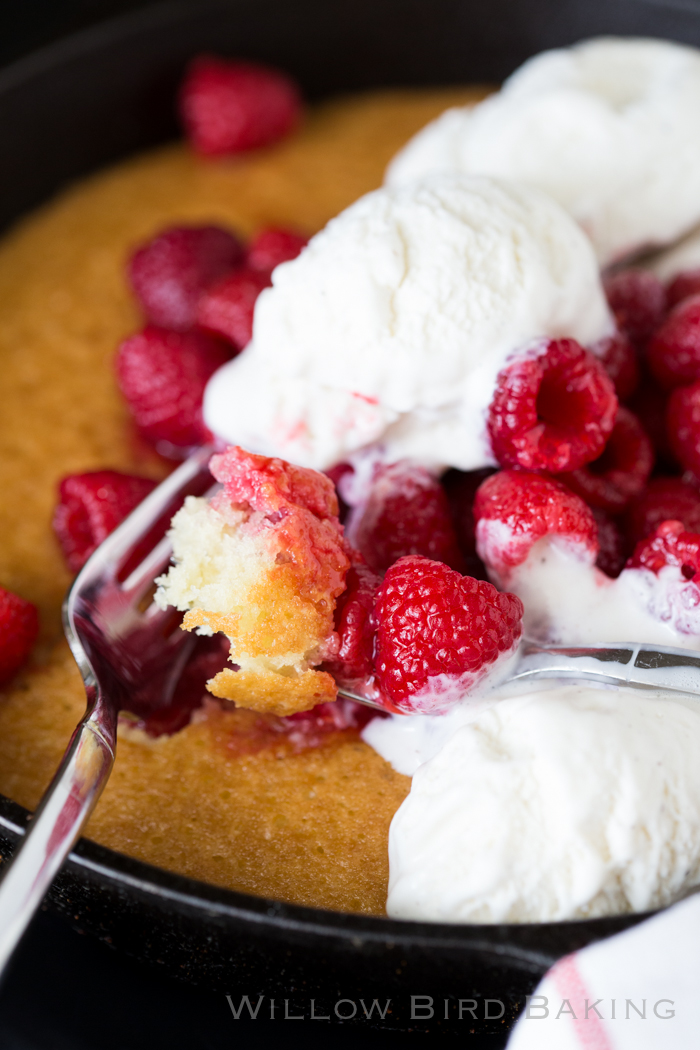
(67, 992)
(28, 24)
(64, 991)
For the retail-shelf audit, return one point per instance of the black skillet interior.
(107, 92)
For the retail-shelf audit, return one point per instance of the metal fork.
(127, 648)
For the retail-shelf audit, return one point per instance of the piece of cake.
(263, 561)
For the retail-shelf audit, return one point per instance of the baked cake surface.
(229, 799)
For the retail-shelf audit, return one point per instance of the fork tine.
(117, 551)
(152, 565)
(157, 559)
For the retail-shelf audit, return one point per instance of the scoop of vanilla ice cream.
(572, 802)
(389, 330)
(682, 256)
(610, 128)
(568, 601)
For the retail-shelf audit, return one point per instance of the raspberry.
(621, 472)
(438, 633)
(460, 488)
(336, 474)
(514, 509)
(90, 506)
(664, 499)
(670, 544)
(552, 410)
(682, 287)
(253, 732)
(338, 471)
(162, 375)
(230, 107)
(170, 273)
(683, 420)
(309, 729)
(612, 549)
(638, 300)
(673, 593)
(190, 692)
(227, 309)
(274, 246)
(19, 627)
(620, 362)
(674, 351)
(649, 404)
(406, 512)
(354, 622)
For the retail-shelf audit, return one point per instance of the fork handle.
(60, 817)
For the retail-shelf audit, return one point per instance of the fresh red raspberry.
(336, 473)
(162, 375)
(406, 512)
(683, 421)
(612, 547)
(274, 246)
(231, 107)
(354, 623)
(308, 729)
(190, 692)
(664, 499)
(674, 351)
(90, 506)
(619, 359)
(19, 627)
(227, 309)
(553, 410)
(621, 472)
(461, 488)
(170, 273)
(670, 544)
(302, 731)
(514, 509)
(438, 633)
(682, 287)
(649, 404)
(638, 300)
(673, 555)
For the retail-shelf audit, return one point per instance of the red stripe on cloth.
(590, 1031)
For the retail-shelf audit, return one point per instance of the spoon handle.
(60, 817)
(621, 663)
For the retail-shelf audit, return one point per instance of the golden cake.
(230, 798)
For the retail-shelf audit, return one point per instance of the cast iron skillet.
(107, 92)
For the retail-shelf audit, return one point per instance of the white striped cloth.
(638, 990)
